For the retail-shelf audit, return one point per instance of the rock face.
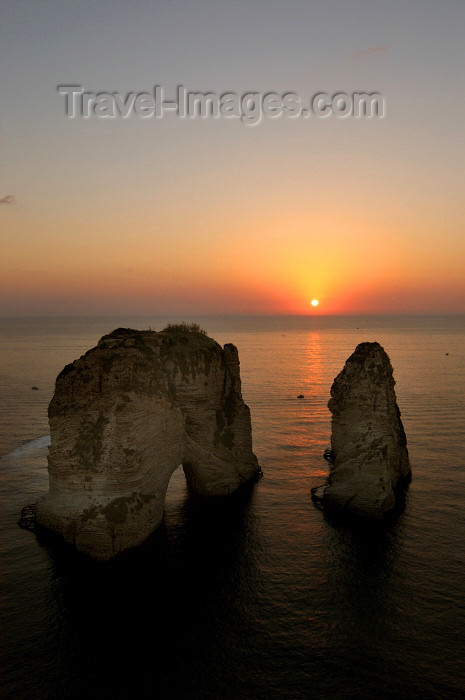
(123, 417)
(369, 456)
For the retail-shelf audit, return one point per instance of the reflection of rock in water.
(162, 615)
(365, 590)
(124, 417)
(368, 456)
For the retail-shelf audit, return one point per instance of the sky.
(171, 216)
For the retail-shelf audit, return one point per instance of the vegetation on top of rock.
(184, 327)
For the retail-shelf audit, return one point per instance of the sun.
(315, 302)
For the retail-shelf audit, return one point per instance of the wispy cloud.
(366, 53)
(8, 199)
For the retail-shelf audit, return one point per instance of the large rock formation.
(124, 417)
(369, 456)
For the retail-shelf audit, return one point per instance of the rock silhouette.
(124, 416)
(369, 457)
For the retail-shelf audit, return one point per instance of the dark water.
(257, 596)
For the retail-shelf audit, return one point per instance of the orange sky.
(207, 248)
(212, 217)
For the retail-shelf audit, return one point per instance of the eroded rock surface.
(369, 457)
(123, 417)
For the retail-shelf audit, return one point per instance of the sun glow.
(315, 302)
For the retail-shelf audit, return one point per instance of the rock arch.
(124, 416)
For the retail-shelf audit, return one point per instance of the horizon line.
(235, 315)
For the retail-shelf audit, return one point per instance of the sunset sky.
(148, 216)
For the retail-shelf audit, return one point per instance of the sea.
(259, 594)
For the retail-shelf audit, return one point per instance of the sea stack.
(124, 416)
(369, 458)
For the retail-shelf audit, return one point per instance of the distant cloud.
(366, 53)
(9, 199)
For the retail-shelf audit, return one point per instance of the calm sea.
(257, 596)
